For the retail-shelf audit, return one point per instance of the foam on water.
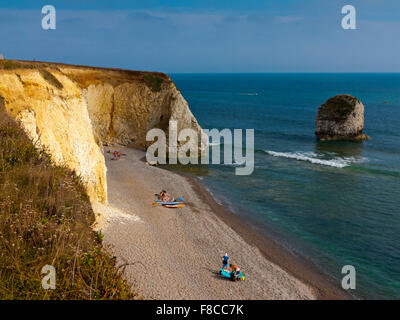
(334, 201)
(235, 164)
(248, 94)
(337, 162)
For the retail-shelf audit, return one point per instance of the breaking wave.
(337, 162)
(248, 94)
(235, 164)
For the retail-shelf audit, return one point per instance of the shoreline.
(175, 253)
(298, 266)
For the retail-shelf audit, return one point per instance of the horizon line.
(291, 72)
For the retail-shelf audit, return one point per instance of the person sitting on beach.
(164, 196)
(117, 155)
(234, 268)
(225, 260)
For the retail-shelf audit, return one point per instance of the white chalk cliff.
(72, 111)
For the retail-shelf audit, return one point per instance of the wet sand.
(176, 253)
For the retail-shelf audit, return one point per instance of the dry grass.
(87, 75)
(46, 218)
(154, 82)
(9, 65)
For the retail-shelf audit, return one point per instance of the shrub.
(153, 82)
(46, 218)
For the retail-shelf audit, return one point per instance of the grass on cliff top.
(48, 76)
(337, 108)
(86, 75)
(8, 65)
(18, 64)
(45, 219)
(153, 82)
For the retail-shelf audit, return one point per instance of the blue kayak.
(231, 275)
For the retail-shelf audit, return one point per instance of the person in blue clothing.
(225, 263)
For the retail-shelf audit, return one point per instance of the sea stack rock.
(341, 118)
(1, 57)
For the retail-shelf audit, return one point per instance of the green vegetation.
(153, 82)
(338, 108)
(50, 78)
(9, 65)
(47, 75)
(45, 219)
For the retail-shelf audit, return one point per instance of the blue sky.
(207, 36)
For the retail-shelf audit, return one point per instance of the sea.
(334, 203)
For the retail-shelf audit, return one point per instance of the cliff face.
(73, 110)
(122, 113)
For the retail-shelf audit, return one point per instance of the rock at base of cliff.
(341, 118)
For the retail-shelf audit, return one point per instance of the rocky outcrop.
(341, 118)
(124, 113)
(73, 110)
